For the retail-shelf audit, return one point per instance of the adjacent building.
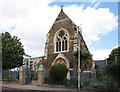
(34, 63)
(26, 59)
(100, 63)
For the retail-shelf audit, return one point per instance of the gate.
(27, 76)
(24, 75)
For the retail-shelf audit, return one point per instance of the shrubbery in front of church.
(58, 73)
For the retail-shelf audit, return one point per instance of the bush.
(86, 83)
(9, 77)
(113, 82)
(73, 81)
(99, 75)
(58, 72)
(65, 82)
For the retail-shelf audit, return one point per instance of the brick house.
(61, 42)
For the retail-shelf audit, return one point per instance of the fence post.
(109, 77)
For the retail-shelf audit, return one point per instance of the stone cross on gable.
(62, 8)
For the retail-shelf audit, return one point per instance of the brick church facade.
(61, 42)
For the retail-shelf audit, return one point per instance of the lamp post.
(78, 60)
(77, 28)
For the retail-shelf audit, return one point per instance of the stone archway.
(60, 61)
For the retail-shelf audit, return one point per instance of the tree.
(86, 58)
(58, 72)
(12, 51)
(114, 64)
(114, 56)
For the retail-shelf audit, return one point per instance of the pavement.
(33, 87)
(12, 86)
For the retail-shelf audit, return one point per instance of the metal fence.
(103, 78)
(8, 75)
(27, 76)
(98, 78)
(34, 75)
(46, 76)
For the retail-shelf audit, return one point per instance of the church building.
(61, 41)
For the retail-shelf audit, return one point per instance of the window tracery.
(61, 41)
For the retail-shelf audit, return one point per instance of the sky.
(31, 20)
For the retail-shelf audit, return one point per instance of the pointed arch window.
(61, 41)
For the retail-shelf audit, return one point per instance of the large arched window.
(61, 41)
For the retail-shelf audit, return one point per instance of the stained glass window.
(56, 46)
(61, 34)
(60, 46)
(65, 44)
(61, 41)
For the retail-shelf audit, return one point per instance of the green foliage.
(114, 64)
(98, 83)
(84, 55)
(114, 56)
(65, 81)
(101, 79)
(86, 58)
(75, 54)
(86, 83)
(9, 77)
(72, 82)
(99, 75)
(58, 72)
(12, 51)
(113, 82)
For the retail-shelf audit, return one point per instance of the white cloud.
(96, 5)
(101, 54)
(34, 18)
(95, 22)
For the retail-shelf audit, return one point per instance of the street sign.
(79, 70)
